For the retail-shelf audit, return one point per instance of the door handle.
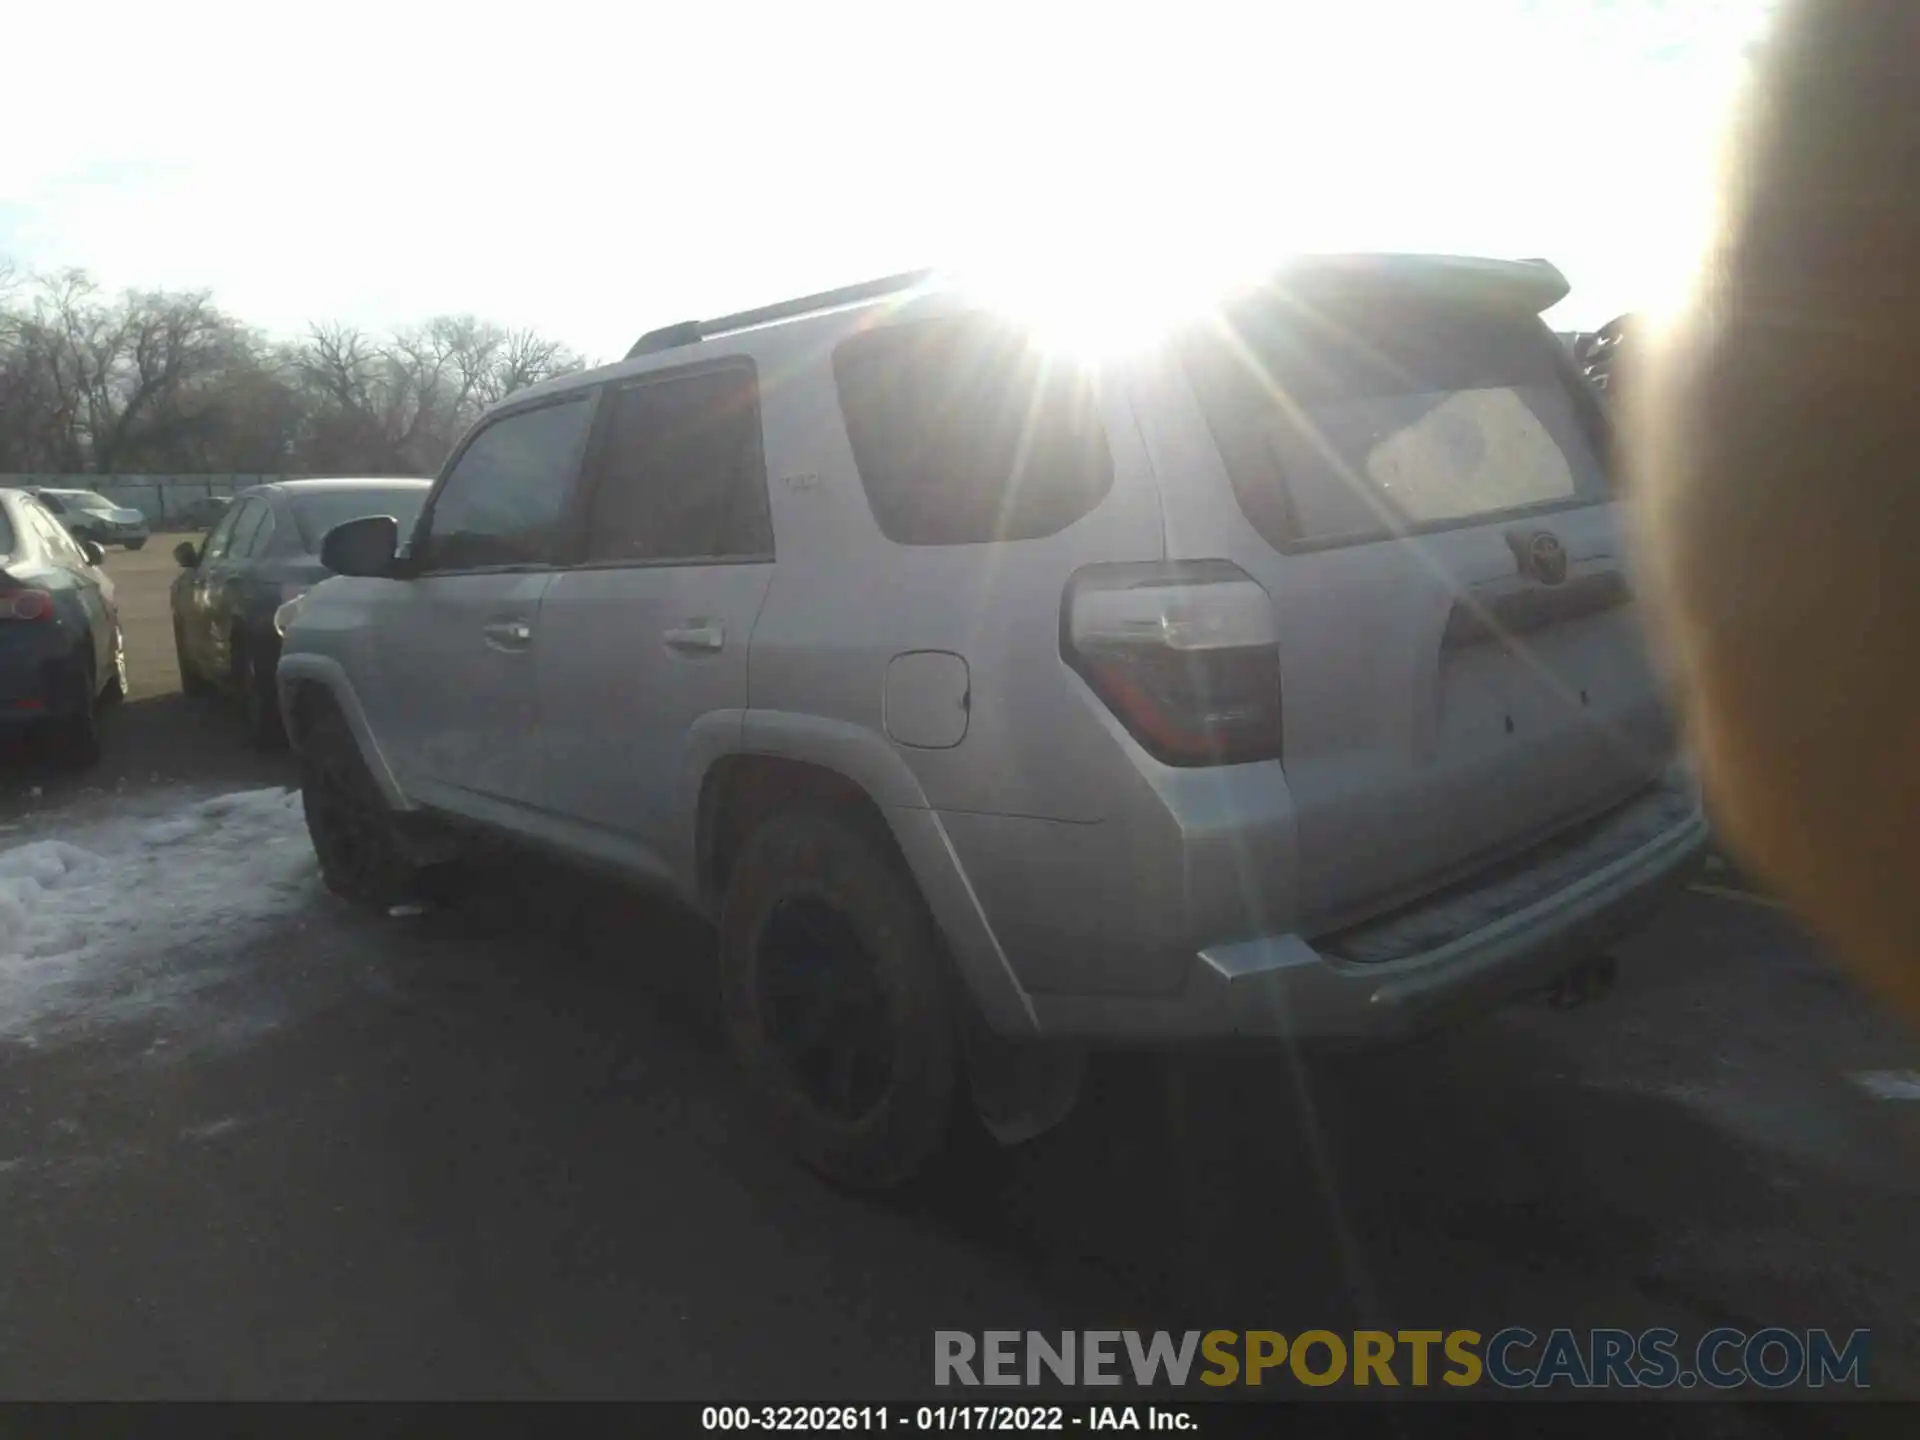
(508, 634)
(696, 637)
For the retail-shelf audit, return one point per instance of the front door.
(643, 661)
(456, 707)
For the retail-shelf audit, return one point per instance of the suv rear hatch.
(1424, 478)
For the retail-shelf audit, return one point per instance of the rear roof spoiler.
(1537, 284)
(1532, 282)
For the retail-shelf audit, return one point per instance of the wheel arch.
(306, 683)
(790, 760)
(741, 790)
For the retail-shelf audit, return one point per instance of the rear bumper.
(49, 692)
(1458, 954)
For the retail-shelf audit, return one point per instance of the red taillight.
(25, 605)
(1185, 654)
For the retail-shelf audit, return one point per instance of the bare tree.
(162, 355)
(527, 359)
(165, 381)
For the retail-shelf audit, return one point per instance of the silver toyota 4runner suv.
(1282, 680)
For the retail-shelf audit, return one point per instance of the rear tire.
(135, 544)
(837, 1001)
(352, 829)
(76, 740)
(262, 702)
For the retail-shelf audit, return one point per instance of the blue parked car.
(61, 650)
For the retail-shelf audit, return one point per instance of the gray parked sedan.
(89, 516)
(264, 552)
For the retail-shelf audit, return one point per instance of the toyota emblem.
(1547, 558)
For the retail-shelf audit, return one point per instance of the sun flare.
(1099, 299)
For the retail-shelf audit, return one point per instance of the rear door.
(198, 588)
(1418, 481)
(455, 702)
(223, 583)
(644, 635)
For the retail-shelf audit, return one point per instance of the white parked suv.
(1282, 680)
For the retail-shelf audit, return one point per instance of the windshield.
(1346, 422)
(83, 500)
(322, 510)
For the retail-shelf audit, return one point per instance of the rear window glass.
(321, 511)
(7, 541)
(680, 474)
(1349, 421)
(964, 434)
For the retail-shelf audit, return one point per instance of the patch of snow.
(212, 1130)
(120, 910)
(1888, 1084)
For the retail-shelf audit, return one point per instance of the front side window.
(502, 502)
(965, 433)
(680, 475)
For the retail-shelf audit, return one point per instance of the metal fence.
(166, 500)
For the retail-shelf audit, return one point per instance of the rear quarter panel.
(846, 600)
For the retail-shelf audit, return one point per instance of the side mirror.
(186, 552)
(362, 547)
(95, 552)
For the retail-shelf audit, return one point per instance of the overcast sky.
(597, 170)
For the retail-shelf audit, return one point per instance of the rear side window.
(502, 503)
(41, 528)
(679, 473)
(60, 544)
(964, 433)
(1343, 421)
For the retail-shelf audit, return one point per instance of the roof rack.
(688, 332)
